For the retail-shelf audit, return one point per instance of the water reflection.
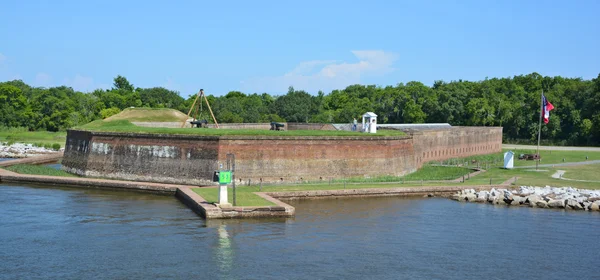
(224, 252)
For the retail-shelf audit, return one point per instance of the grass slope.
(149, 115)
(38, 170)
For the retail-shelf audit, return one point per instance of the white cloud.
(325, 75)
(42, 80)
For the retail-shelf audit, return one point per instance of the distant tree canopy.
(513, 103)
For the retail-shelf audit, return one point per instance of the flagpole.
(540, 128)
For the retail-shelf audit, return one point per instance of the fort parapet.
(192, 159)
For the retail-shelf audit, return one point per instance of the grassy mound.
(149, 115)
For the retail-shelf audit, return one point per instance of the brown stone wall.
(193, 159)
(456, 142)
(290, 159)
(143, 157)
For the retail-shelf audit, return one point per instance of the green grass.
(550, 157)
(126, 126)
(38, 170)
(437, 173)
(244, 196)
(583, 172)
(33, 137)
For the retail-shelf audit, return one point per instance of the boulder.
(499, 200)
(470, 197)
(573, 204)
(533, 199)
(556, 203)
(586, 205)
(595, 206)
(595, 198)
(482, 196)
(455, 197)
(517, 200)
(541, 204)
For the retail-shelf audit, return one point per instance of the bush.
(56, 146)
(47, 146)
(105, 113)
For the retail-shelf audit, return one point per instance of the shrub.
(47, 146)
(56, 146)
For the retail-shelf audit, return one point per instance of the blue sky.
(267, 46)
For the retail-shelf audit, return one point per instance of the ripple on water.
(74, 234)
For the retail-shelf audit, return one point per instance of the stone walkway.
(54, 157)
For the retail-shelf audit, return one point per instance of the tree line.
(513, 103)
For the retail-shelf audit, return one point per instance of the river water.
(67, 233)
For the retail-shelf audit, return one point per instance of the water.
(61, 233)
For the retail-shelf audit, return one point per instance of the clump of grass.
(56, 146)
(39, 170)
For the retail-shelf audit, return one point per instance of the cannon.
(277, 126)
(199, 123)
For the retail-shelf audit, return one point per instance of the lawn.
(244, 196)
(21, 135)
(589, 172)
(126, 126)
(548, 157)
(38, 170)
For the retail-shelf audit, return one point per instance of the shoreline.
(212, 211)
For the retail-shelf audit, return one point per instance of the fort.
(192, 159)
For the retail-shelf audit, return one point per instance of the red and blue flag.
(547, 107)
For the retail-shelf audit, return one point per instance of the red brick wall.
(192, 159)
(313, 158)
(456, 142)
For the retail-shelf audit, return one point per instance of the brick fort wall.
(192, 159)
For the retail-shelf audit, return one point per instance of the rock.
(556, 203)
(508, 195)
(470, 197)
(586, 205)
(595, 206)
(517, 200)
(499, 200)
(455, 197)
(541, 204)
(573, 204)
(595, 198)
(533, 199)
(482, 196)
